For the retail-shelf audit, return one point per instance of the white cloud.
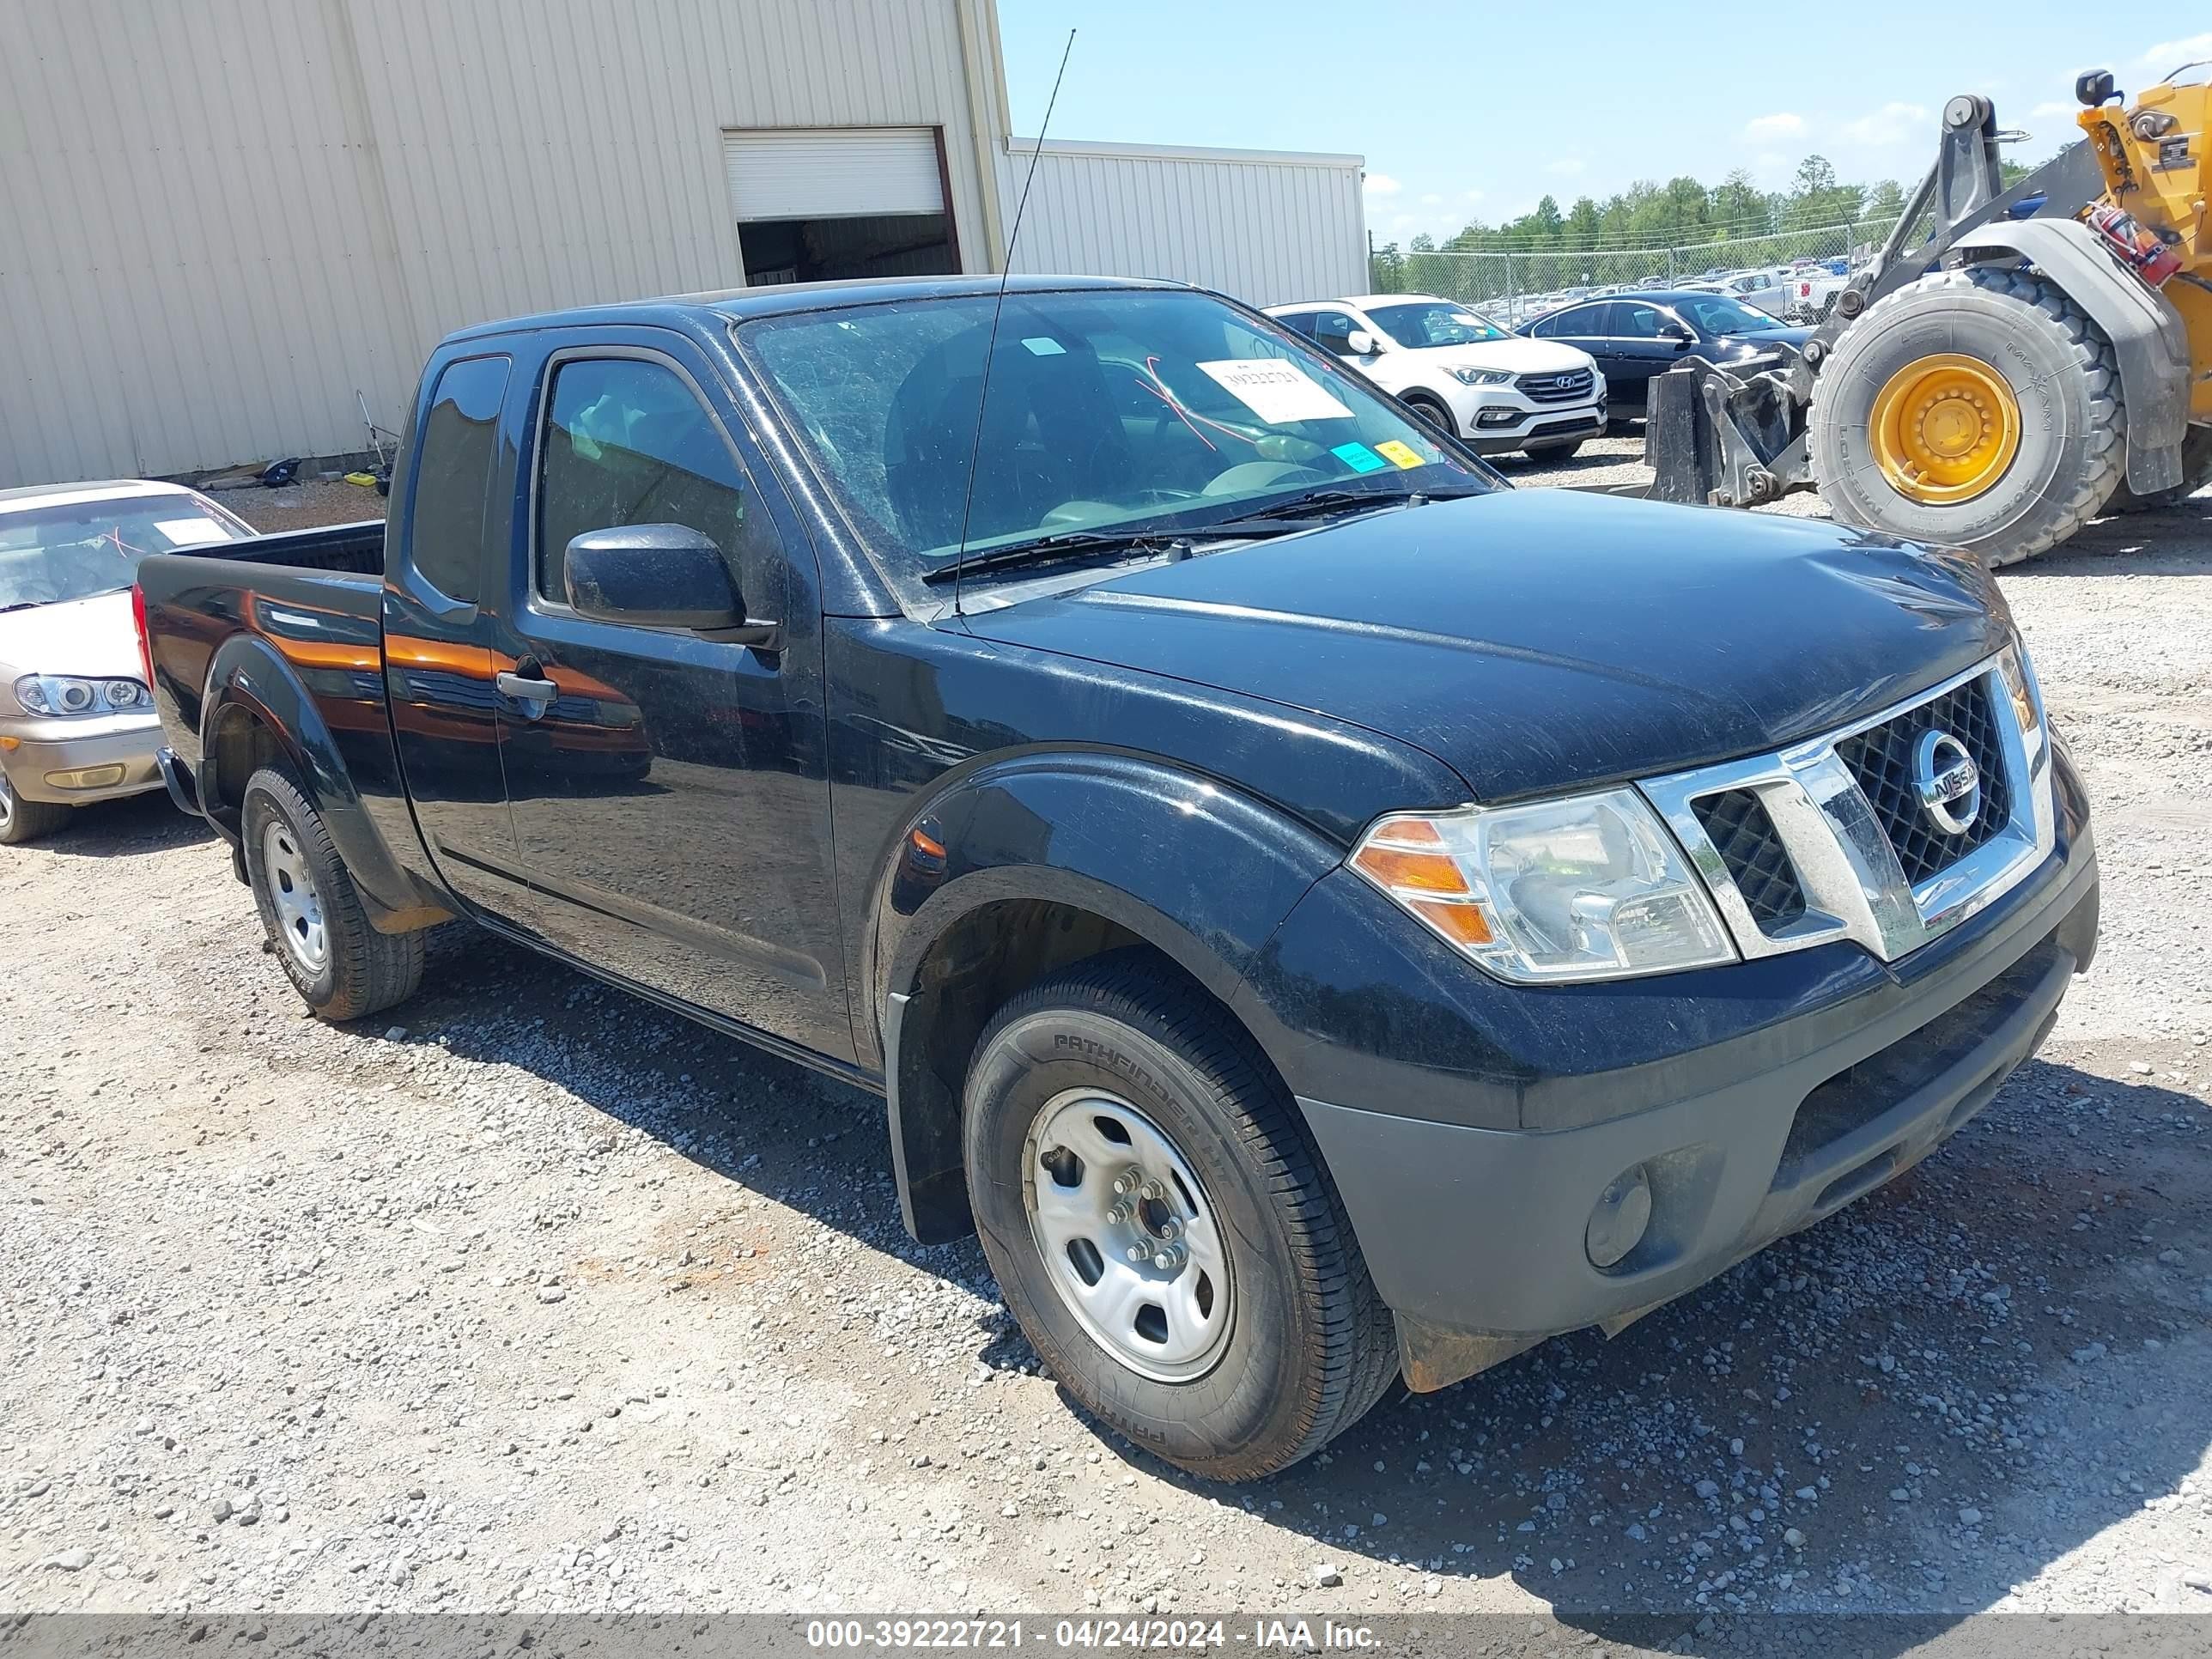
(1568, 166)
(1433, 200)
(1893, 123)
(1766, 128)
(2050, 107)
(1474, 196)
(2169, 55)
(1381, 184)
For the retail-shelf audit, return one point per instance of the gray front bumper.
(1475, 1236)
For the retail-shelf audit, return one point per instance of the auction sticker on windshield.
(1277, 391)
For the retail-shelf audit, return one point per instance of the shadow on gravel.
(1910, 1408)
(2172, 541)
(142, 824)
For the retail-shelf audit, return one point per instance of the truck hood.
(92, 637)
(1537, 641)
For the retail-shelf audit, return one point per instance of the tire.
(1429, 410)
(2062, 374)
(2196, 473)
(342, 967)
(22, 821)
(1305, 1346)
(1553, 454)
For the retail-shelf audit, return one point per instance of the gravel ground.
(546, 1300)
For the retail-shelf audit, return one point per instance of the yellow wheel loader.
(2011, 362)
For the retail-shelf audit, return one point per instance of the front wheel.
(343, 968)
(1162, 1228)
(24, 820)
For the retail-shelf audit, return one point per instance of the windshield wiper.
(1329, 503)
(1068, 545)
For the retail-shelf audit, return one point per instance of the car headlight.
(2018, 670)
(1481, 376)
(1591, 887)
(65, 696)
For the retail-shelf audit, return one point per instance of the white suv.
(1494, 389)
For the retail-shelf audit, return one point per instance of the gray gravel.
(544, 1299)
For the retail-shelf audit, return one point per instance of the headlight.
(1481, 376)
(64, 696)
(2019, 672)
(1588, 888)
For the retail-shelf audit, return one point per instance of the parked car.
(1477, 381)
(76, 723)
(1770, 291)
(1633, 336)
(1813, 292)
(1317, 913)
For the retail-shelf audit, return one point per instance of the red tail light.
(145, 639)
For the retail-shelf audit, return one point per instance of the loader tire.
(2039, 354)
(2196, 473)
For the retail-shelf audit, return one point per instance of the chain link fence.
(1513, 284)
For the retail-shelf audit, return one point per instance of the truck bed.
(352, 548)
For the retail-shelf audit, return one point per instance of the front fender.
(1201, 871)
(247, 675)
(2147, 334)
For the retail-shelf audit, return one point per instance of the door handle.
(527, 688)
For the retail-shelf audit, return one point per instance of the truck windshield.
(51, 555)
(1109, 409)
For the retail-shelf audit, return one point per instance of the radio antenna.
(991, 344)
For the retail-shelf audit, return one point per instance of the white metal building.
(225, 219)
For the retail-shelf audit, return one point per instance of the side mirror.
(659, 575)
(1678, 333)
(1360, 343)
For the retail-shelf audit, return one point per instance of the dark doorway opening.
(833, 250)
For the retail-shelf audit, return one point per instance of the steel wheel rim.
(6, 802)
(292, 894)
(1093, 1200)
(1945, 428)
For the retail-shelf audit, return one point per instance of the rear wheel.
(343, 968)
(1162, 1229)
(1977, 409)
(24, 820)
(2196, 473)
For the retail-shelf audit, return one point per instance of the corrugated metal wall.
(1264, 227)
(222, 217)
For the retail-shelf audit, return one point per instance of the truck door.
(449, 513)
(670, 793)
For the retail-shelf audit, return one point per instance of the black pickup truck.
(1320, 913)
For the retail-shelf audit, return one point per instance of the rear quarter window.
(453, 476)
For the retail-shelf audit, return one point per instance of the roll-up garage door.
(829, 172)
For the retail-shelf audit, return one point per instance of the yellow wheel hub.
(1945, 428)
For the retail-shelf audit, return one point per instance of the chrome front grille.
(1751, 847)
(1830, 839)
(1562, 388)
(1881, 759)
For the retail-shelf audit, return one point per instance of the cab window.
(627, 441)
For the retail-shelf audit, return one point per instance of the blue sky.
(1464, 109)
